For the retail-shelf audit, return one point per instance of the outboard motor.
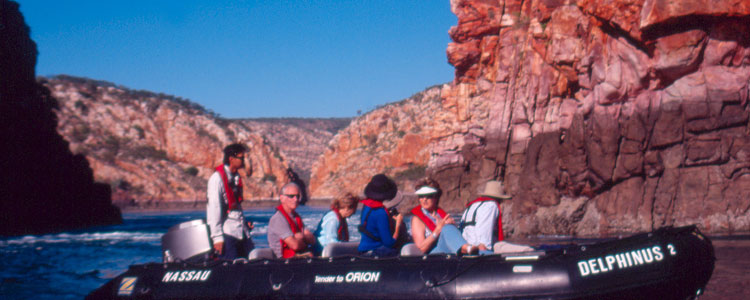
(187, 241)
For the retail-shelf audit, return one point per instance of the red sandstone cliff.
(607, 116)
(394, 139)
(300, 140)
(155, 149)
(601, 116)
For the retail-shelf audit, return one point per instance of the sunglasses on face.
(292, 195)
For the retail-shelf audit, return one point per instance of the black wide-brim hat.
(381, 188)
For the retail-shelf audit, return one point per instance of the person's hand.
(449, 220)
(441, 222)
(219, 247)
(309, 237)
(399, 218)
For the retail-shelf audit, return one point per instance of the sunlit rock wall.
(605, 116)
(600, 116)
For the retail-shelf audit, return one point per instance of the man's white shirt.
(219, 221)
(483, 231)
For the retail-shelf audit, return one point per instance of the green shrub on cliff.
(269, 177)
(192, 171)
(414, 172)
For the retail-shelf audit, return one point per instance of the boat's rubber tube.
(670, 263)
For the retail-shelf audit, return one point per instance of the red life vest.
(500, 235)
(232, 199)
(295, 225)
(343, 232)
(417, 211)
(372, 203)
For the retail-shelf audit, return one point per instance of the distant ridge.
(157, 150)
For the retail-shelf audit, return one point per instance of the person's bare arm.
(417, 233)
(309, 237)
(399, 220)
(296, 242)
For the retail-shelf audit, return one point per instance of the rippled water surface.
(69, 265)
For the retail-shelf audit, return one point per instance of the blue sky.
(251, 58)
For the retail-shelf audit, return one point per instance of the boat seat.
(340, 249)
(261, 253)
(411, 249)
(505, 247)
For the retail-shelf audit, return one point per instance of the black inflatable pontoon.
(669, 263)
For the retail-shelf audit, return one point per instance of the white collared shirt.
(483, 232)
(219, 221)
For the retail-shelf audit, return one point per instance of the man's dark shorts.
(234, 248)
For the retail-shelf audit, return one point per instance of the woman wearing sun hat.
(378, 239)
(432, 229)
(429, 219)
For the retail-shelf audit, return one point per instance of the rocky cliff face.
(44, 187)
(606, 117)
(601, 117)
(300, 140)
(156, 149)
(394, 139)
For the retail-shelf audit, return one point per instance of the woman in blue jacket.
(378, 238)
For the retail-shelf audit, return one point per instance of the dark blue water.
(70, 265)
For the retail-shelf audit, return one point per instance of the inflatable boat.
(669, 263)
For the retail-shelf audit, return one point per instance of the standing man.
(287, 235)
(229, 230)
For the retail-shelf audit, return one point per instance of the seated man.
(482, 218)
(287, 235)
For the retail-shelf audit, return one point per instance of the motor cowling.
(186, 241)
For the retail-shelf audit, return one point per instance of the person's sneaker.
(466, 249)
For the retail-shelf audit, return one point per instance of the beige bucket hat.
(495, 189)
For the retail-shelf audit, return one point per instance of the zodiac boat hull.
(669, 263)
